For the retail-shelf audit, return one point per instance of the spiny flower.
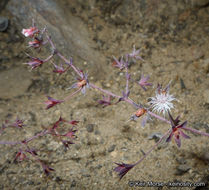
(162, 102)
(176, 130)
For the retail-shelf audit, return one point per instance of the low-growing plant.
(158, 106)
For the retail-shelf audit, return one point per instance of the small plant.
(160, 104)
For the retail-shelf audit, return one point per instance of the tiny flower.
(120, 64)
(162, 102)
(143, 82)
(176, 130)
(35, 62)
(82, 83)
(20, 156)
(106, 101)
(123, 168)
(18, 123)
(67, 143)
(60, 69)
(47, 169)
(73, 122)
(71, 133)
(134, 54)
(36, 43)
(32, 151)
(52, 102)
(30, 32)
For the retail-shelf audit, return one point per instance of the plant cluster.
(158, 106)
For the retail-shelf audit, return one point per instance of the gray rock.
(4, 22)
(182, 169)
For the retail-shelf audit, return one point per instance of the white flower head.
(162, 102)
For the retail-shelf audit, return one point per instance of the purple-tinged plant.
(177, 130)
(143, 82)
(52, 102)
(162, 102)
(20, 156)
(71, 133)
(119, 64)
(123, 168)
(18, 123)
(35, 43)
(60, 69)
(135, 54)
(106, 101)
(46, 168)
(82, 83)
(35, 62)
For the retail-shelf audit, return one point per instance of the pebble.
(4, 22)
(182, 169)
(90, 128)
(111, 148)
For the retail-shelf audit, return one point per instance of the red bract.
(36, 43)
(52, 102)
(73, 122)
(60, 69)
(71, 133)
(67, 143)
(20, 156)
(30, 32)
(123, 168)
(176, 130)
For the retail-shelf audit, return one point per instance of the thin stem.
(71, 95)
(153, 147)
(104, 91)
(69, 62)
(48, 58)
(42, 133)
(158, 117)
(196, 131)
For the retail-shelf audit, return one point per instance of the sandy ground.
(104, 136)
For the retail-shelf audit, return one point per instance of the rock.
(111, 148)
(155, 136)
(90, 128)
(182, 169)
(4, 22)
